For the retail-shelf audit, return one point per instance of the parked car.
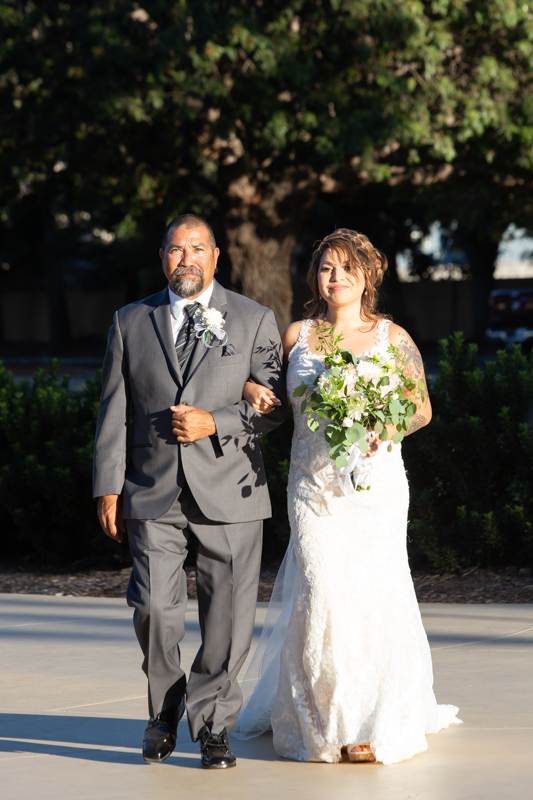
(511, 315)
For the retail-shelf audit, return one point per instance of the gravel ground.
(510, 585)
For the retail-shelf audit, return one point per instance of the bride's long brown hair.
(361, 255)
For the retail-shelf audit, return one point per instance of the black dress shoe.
(160, 735)
(215, 751)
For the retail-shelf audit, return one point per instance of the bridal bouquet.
(359, 396)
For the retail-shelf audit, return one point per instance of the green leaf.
(348, 356)
(397, 438)
(363, 445)
(384, 435)
(421, 386)
(303, 406)
(335, 451)
(411, 409)
(341, 461)
(384, 381)
(389, 448)
(378, 426)
(359, 429)
(313, 424)
(352, 434)
(380, 415)
(300, 390)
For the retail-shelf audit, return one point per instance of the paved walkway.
(73, 710)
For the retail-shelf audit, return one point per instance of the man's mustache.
(184, 270)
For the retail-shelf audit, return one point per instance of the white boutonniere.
(208, 325)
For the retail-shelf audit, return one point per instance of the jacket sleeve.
(109, 466)
(240, 421)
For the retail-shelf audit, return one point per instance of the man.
(192, 476)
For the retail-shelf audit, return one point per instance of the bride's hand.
(373, 444)
(260, 398)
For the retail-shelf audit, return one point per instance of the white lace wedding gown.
(347, 660)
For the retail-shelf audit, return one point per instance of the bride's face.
(337, 283)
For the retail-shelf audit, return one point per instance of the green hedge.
(470, 471)
(46, 447)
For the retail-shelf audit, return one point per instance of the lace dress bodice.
(311, 467)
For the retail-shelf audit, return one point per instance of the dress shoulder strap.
(382, 332)
(302, 336)
(305, 327)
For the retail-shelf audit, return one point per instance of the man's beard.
(187, 287)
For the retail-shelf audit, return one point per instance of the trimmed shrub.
(471, 469)
(46, 449)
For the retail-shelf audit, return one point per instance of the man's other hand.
(110, 516)
(190, 424)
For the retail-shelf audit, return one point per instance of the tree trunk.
(482, 253)
(261, 226)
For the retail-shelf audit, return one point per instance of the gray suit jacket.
(142, 379)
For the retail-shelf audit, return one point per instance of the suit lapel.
(163, 327)
(218, 301)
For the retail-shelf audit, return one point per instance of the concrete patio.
(73, 710)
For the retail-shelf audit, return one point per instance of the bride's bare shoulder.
(398, 335)
(291, 334)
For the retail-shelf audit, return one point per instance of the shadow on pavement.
(98, 739)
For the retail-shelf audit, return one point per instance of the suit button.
(185, 444)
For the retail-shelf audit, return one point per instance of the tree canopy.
(246, 111)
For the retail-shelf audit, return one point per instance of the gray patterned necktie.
(186, 337)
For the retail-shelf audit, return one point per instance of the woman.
(355, 668)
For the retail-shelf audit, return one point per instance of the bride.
(346, 661)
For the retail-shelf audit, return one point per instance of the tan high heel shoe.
(365, 755)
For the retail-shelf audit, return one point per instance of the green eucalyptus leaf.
(352, 434)
(363, 445)
(348, 356)
(299, 391)
(397, 438)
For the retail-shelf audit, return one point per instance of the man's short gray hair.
(188, 221)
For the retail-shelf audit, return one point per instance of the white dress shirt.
(177, 307)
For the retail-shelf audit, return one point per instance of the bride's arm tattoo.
(413, 359)
(417, 422)
(414, 367)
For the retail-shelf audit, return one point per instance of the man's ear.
(161, 254)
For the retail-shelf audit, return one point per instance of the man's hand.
(190, 424)
(110, 516)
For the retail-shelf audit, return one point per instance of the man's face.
(188, 261)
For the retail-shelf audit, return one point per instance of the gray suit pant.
(227, 575)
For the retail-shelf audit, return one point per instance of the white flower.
(369, 371)
(208, 324)
(347, 422)
(395, 396)
(211, 318)
(337, 358)
(350, 379)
